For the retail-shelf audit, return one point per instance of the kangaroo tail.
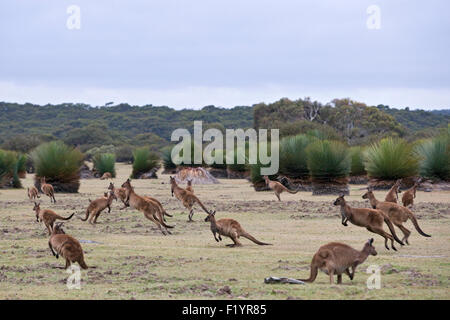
(166, 214)
(87, 216)
(250, 237)
(166, 225)
(83, 264)
(391, 228)
(293, 192)
(416, 224)
(201, 205)
(68, 218)
(312, 276)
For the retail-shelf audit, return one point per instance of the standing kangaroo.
(392, 195)
(33, 193)
(189, 186)
(277, 187)
(371, 219)
(61, 244)
(150, 210)
(48, 217)
(48, 190)
(410, 194)
(97, 206)
(230, 228)
(337, 258)
(187, 198)
(396, 213)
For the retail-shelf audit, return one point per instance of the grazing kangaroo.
(189, 186)
(410, 194)
(230, 228)
(48, 190)
(397, 213)
(337, 258)
(97, 206)
(150, 210)
(106, 175)
(371, 219)
(187, 198)
(61, 244)
(277, 187)
(33, 193)
(392, 195)
(48, 217)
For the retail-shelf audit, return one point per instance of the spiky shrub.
(357, 161)
(105, 162)
(328, 161)
(255, 169)
(143, 161)
(59, 164)
(293, 158)
(434, 157)
(166, 155)
(390, 159)
(11, 164)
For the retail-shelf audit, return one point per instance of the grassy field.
(135, 261)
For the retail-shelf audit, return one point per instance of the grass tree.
(12, 167)
(434, 155)
(59, 164)
(293, 157)
(143, 161)
(390, 159)
(357, 161)
(105, 162)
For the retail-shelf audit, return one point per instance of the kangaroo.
(48, 217)
(396, 213)
(48, 190)
(230, 228)
(106, 175)
(61, 244)
(186, 197)
(33, 193)
(410, 194)
(371, 219)
(337, 258)
(189, 186)
(392, 195)
(97, 206)
(150, 210)
(277, 187)
(120, 193)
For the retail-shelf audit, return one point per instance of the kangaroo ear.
(370, 241)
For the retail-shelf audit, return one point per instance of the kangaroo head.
(397, 185)
(57, 228)
(36, 206)
(111, 186)
(339, 201)
(189, 182)
(211, 215)
(368, 193)
(127, 184)
(370, 248)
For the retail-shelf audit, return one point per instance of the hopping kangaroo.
(48, 190)
(150, 210)
(33, 193)
(392, 195)
(97, 206)
(230, 228)
(396, 213)
(187, 198)
(277, 187)
(61, 244)
(410, 194)
(120, 193)
(371, 219)
(337, 258)
(106, 175)
(48, 217)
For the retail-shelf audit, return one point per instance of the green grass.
(434, 157)
(59, 164)
(105, 162)
(143, 161)
(328, 160)
(391, 159)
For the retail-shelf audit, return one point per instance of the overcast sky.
(188, 54)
